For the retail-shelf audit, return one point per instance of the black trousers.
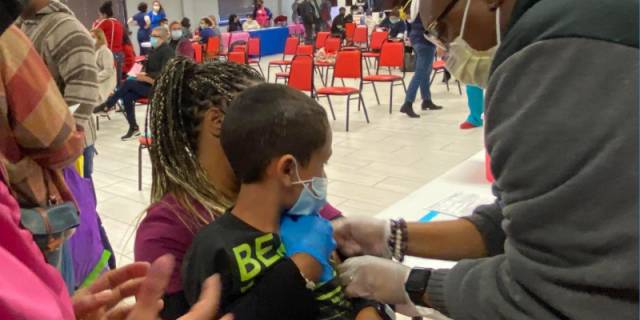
(308, 33)
(130, 91)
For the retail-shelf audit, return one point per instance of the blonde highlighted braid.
(181, 96)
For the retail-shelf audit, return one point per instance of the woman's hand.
(362, 236)
(148, 283)
(375, 279)
(312, 235)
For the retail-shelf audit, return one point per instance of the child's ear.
(285, 169)
(212, 121)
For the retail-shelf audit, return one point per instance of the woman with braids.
(193, 182)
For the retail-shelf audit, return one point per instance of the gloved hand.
(312, 235)
(375, 279)
(362, 236)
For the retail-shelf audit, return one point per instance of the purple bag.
(87, 251)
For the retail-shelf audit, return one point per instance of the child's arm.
(309, 267)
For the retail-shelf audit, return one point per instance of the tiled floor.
(373, 165)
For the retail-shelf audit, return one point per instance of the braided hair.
(182, 94)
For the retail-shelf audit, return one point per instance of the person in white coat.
(106, 65)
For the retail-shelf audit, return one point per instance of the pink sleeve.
(26, 279)
(329, 212)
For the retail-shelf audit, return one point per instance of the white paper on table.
(460, 204)
(74, 107)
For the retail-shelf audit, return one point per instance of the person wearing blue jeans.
(140, 86)
(425, 52)
(475, 100)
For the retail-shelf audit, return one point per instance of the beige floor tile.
(399, 185)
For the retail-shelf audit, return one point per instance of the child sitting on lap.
(277, 141)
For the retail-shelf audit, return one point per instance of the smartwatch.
(416, 284)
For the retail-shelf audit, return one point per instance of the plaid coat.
(38, 135)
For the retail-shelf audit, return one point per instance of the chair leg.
(447, 83)
(433, 77)
(268, 73)
(375, 91)
(366, 63)
(333, 114)
(140, 167)
(404, 86)
(459, 89)
(348, 102)
(344, 85)
(390, 97)
(260, 68)
(364, 107)
(98, 123)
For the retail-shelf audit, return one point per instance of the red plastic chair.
(238, 57)
(332, 45)
(304, 50)
(348, 66)
(321, 37)
(361, 36)
(253, 52)
(439, 66)
(391, 56)
(290, 49)
(377, 39)
(349, 31)
(301, 74)
(197, 50)
(213, 48)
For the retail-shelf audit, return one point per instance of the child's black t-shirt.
(259, 281)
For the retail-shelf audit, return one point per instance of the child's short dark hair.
(267, 121)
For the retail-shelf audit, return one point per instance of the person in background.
(250, 24)
(140, 87)
(179, 42)
(156, 15)
(142, 20)
(337, 26)
(394, 24)
(164, 22)
(307, 12)
(214, 25)
(113, 30)
(54, 30)
(129, 55)
(295, 17)
(262, 14)
(234, 23)
(206, 30)
(325, 16)
(107, 78)
(425, 52)
(186, 28)
(475, 101)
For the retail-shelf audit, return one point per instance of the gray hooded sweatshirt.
(562, 133)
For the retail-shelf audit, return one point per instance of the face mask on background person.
(467, 64)
(155, 42)
(313, 196)
(176, 34)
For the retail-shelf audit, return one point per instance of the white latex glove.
(375, 279)
(362, 236)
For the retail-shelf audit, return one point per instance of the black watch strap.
(416, 284)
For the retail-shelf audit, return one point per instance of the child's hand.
(312, 235)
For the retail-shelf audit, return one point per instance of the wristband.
(398, 239)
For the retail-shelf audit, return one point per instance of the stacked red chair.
(391, 56)
(377, 39)
(348, 66)
(290, 49)
(253, 53)
(301, 74)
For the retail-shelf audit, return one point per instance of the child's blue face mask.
(313, 196)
